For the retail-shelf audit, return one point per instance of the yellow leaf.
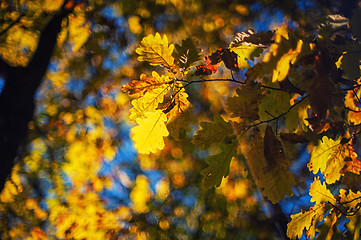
(145, 84)
(150, 100)
(283, 64)
(306, 219)
(156, 51)
(328, 157)
(320, 193)
(148, 135)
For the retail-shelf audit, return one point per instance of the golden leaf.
(148, 135)
(156, 51)
(320, 193)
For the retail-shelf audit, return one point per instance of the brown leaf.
(352, 181)
(293, 138)
(273, 150)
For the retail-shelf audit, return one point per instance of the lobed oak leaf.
(352, 181)
(155, 50)
(320, 193)
(245, 105)
(219, 165)
(187, 53)
(148, 135)
(306, 220)
(250, 38)
(148, 102)
(145, 84)
(328, 229)
(179, 114)
(329, 157)
(211, 133)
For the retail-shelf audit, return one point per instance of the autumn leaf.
(320, 193)
(148, 135)
(306, 220)
(245, 52)
(245, 105)
(145, 84)
(180, 114)
(283, 64)
(156, 51)
(150, 100)
(273, 151)
(276, 181)
(219, 165)
(329, 157)
(187, 53)
(211, 133)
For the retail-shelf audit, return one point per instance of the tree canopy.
(167, 119)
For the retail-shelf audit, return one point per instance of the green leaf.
(245, 105)
(219, 165)
(210, 133)
(187, 53)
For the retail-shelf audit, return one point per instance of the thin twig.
(279, 116)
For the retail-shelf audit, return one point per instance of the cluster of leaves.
(306, 87)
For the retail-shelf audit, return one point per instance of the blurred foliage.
(81, 178)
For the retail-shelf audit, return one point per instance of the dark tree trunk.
(17, 97)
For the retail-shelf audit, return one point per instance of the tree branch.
(279, 116)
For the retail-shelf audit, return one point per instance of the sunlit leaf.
(148, 135)
(329, 157)
(320, 193)
(156, 50)
(305, 220)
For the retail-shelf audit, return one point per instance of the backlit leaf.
(246, 52)
(146, 83)
(305, 220)
(219, 165)
(148, 135)
(320, 193)
(211, 133)
(329, 157)
(156, 51)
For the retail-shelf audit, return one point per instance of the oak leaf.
(276, 181)
(155, 50)
(187, 53)
(148, 135)
(219, 165)
(212, 133)
(148, 102)
(320, 193)
(145, 84)
(245, 52)
(329, 157)
(245, 105)
(306, 220)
